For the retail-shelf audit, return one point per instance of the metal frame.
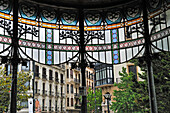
(83, 36)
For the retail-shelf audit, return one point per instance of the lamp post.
(108, 97)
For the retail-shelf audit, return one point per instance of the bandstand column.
(151, 86)
(15, 60)
(82, 62)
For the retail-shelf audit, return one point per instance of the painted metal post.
(108, 105)
(82, 62)
(151, 86)
(15, 59)
(33, 84)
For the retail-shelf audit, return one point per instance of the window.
(79, 77)
(87, 74)
(43, 88)
(49, 105)
(67, 101)
(56, 90)
(71, 73)
(71, 101)
(36, 87)
(132, 69)
(103, 74)
(50, 90)
(36, 72)
(71, 88)
(67, 88)
(67, 73)
(44, 72)
(50, 75)
(62, 81)
(43, 102)
(56, 76)
(26, 66)
(56, 105)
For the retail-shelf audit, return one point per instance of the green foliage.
(91, 100)
(5, 87)
(126, 100)
(161, 72)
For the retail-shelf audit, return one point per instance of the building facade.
(107, 75)
(49, 87)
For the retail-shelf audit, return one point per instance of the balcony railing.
(77, 106)
(57, 80)
(50, 78)
(51, 108)
(44, 77)
(44, 108)
(44, 92)
(62, 81)
(37, 91)
(51, 93)
(76, 95)
(76, 80)
(57, 94)
(62, 95)
(37, 75)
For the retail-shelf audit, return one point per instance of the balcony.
(44, 92)
(51, 109)
(77, 106)
(56, 80)
(50, 79)
(51, 93)
(37, 92)
(57, 94)
(62, 81)
(76, 95)
(76, 80)
(37, 75)
(63, 110)
(62, 95)
(44, 108)
(44, 77)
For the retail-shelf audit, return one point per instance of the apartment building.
(73, 82)
(49, 88)
(106, 75)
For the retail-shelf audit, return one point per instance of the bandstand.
(54, 32)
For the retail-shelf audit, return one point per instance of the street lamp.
(108, 97)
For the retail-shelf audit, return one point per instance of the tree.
(161, 73)
(91, 100)
(5, 87)
(126, 100)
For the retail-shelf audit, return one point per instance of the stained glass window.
(114, 35)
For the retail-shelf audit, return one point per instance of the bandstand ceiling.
(49, 29)
(83, 3)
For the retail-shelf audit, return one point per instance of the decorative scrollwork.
(93, 35)
(49, 15)
(29, 11)
(23, 30)
(69, 18)
(93, 18)
(153, 3)
(114, 16)
(74, 35)
(7, 26)
(133, 11)
(4, 4)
